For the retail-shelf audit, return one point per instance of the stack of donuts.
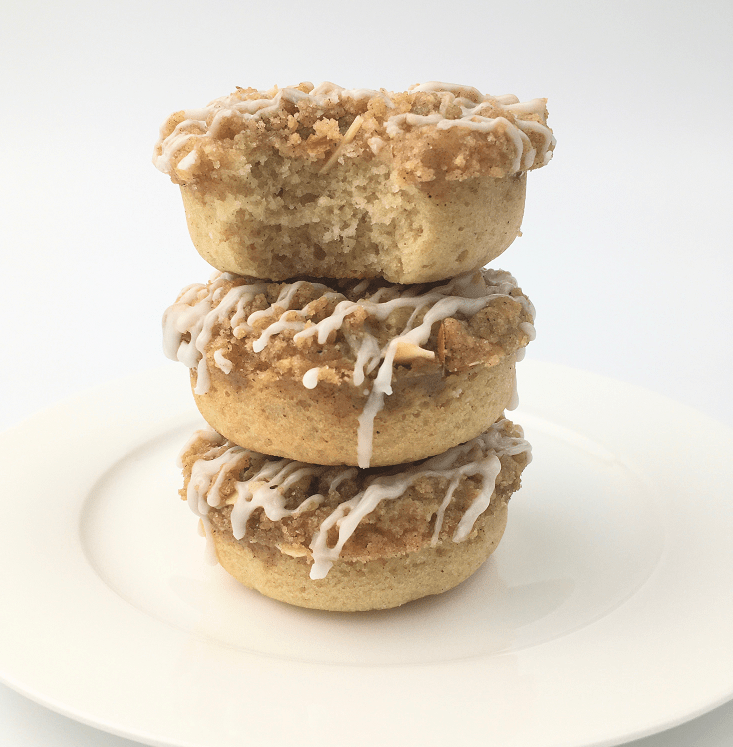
(351, 357)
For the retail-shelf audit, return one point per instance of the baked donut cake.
(363, 373)
(341, 538)
(350, 356)
(413, 187)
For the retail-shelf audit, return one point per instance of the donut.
(346, 539)
(361, 373)
(414, 187)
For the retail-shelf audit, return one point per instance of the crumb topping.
(346, 328)
(324, 513)
(431, 132)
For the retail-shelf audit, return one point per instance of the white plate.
(606, 613)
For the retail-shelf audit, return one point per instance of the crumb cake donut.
(360, 373)
(341, 538)
(413, 187)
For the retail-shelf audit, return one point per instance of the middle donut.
(363, 373)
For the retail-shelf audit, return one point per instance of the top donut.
(414, 187)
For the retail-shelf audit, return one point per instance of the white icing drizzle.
(222, 363)
(267, 488)
(528, 329)
(198, 309)
(203, 486)
(310, 378)
(188, 326)
(349, 135)
(473, 104)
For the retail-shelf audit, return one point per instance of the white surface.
(626, 249)
(576, 619)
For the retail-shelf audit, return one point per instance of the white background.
(627, 249)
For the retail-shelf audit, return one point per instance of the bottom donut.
(348, 539)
